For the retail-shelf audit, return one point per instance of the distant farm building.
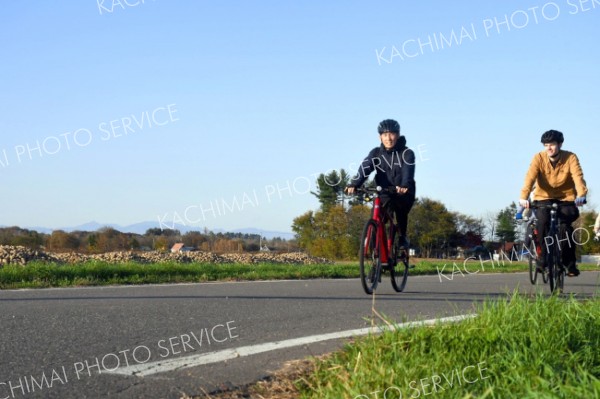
(180, 247)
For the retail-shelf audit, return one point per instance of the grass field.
(43, 275)
(515, 348)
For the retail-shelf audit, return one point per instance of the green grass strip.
(43, 275)
(516, 348)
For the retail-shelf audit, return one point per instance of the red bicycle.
(380, 246)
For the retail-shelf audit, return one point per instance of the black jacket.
(395, 167)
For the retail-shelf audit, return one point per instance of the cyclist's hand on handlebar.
(524, 203)
(579, 201)
(401, 190)
(350, 190)
(519, 214)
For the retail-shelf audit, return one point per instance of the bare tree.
(490, 219)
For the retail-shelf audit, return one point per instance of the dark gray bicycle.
(553, 264)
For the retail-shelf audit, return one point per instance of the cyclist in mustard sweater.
(559, 177)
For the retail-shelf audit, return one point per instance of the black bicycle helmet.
(552, 136)
(388, 125)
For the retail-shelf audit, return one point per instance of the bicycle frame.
(553, 256)
(380, 250)
(553, 229)
(384, 242)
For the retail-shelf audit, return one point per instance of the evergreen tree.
(330, 188)
(506, 224)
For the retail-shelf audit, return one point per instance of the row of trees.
(334, 230)
(433, 230)
(109, 239)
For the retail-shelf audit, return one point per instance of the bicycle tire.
(533, 272)
(399, 269)
(560, 276)
(545, 275)
(370, 262)
(560, 280)
(555, 271)
(550, 268)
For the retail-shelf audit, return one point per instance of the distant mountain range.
(142, 227)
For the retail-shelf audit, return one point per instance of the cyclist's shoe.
(401, 256)
(572, 270)
(403, 242)
(539, 265)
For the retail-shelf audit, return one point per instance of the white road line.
(163, 366)
(141, 286)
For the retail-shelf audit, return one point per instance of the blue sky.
(220, 114)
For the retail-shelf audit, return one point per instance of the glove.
(580, 201)
(524, 203)
(519, 214)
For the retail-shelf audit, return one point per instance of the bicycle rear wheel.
(370, 262)
(533, 272)
(399, 269)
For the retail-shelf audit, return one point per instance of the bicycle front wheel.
(560, 280)
(545, 275)
(370, 262)
(399, 269)
(560, 268)
(555, 274)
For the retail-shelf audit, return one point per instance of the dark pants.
(400, 205)
(567, 215)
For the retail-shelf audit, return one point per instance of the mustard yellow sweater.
(562, 182)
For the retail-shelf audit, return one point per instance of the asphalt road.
(142, 341)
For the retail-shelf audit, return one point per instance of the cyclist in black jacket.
(394, 164)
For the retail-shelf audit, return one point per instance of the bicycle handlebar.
(536, 205)
(556, 205)
(378, 189)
